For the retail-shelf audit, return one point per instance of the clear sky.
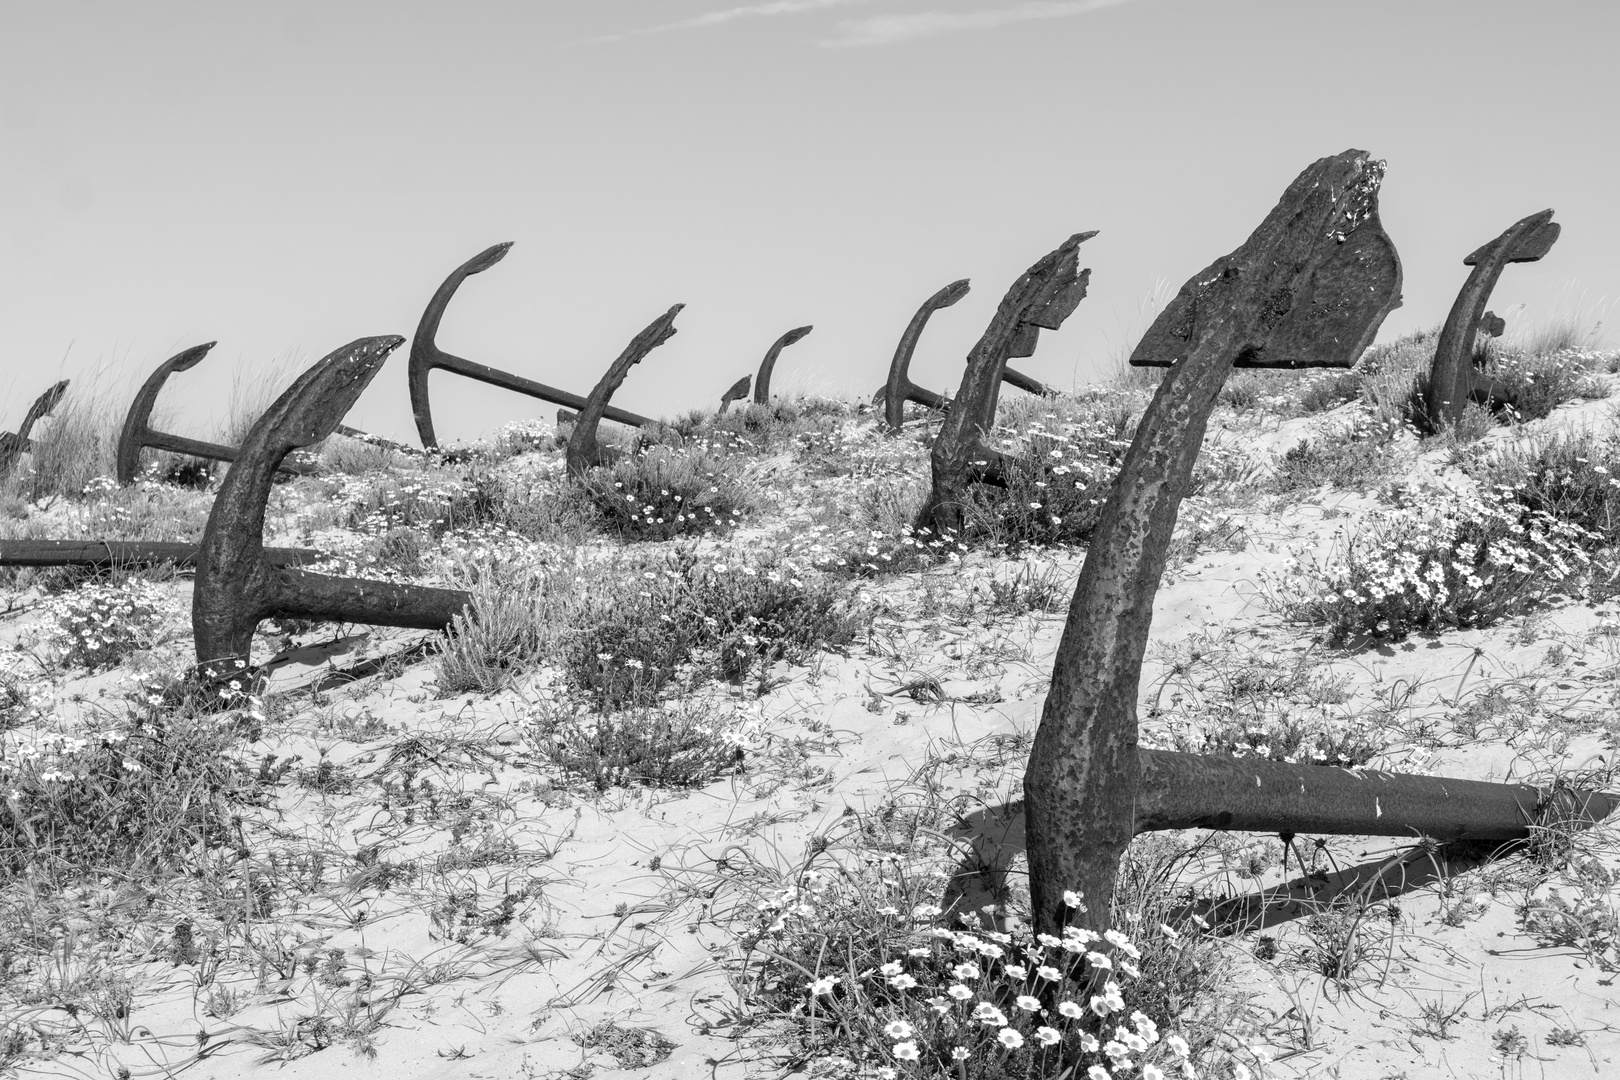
(284, 177)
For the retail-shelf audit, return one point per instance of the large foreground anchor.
(138, 433)
(1453, 381)
(899, 388)
(1042, 298)
(14, 445)
(1310, 287)
(583, 449)
(762, 383)
(426, 355)
(237, 585)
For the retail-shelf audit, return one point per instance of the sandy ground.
(628, 901)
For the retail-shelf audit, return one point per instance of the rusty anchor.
(426, 355)
(238, 585)
(1453, 379)
(762, 383)
(1310, 286)
(1042, 298)
(14, 444)
(899, 388)
(138, 434)
(584, 451)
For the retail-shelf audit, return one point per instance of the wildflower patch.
(1433, 562)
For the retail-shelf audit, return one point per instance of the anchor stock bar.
(96, 553)
(237, 585)
(426, 355)
(1192, 791)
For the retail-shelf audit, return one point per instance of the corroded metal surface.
(1191, 791)
(426, 355)
(236, 585)
(14, 444)
(1453, 380)
(1045, 295)
(138, 434)
(1310, 286)
(583, 449)
(125, 553)
(736, 392)
(762, 383)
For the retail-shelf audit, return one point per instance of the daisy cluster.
(57, 757)
(1443, 560)
(999, 998)
(961, 1002)
(97, 626)
(1539, 383)
(666, 492)
(1057, 476)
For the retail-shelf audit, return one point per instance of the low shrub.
(1436, 562)
(875, 553)
(1354, 458)
(1286, 393)
(1394, 376)
(755, 612)
(859, 967)
(1231, 701)
(1059, 468)
(1327, 390)
(1537, 383)
(667, 746)
(665, 493)
(500, 633)
(1574, 478)
(787, 422)
(378, 502)
(150, 788)
(683, 618)
(99, 625)
(20, 700)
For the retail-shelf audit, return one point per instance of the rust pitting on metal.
(1081, 784)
